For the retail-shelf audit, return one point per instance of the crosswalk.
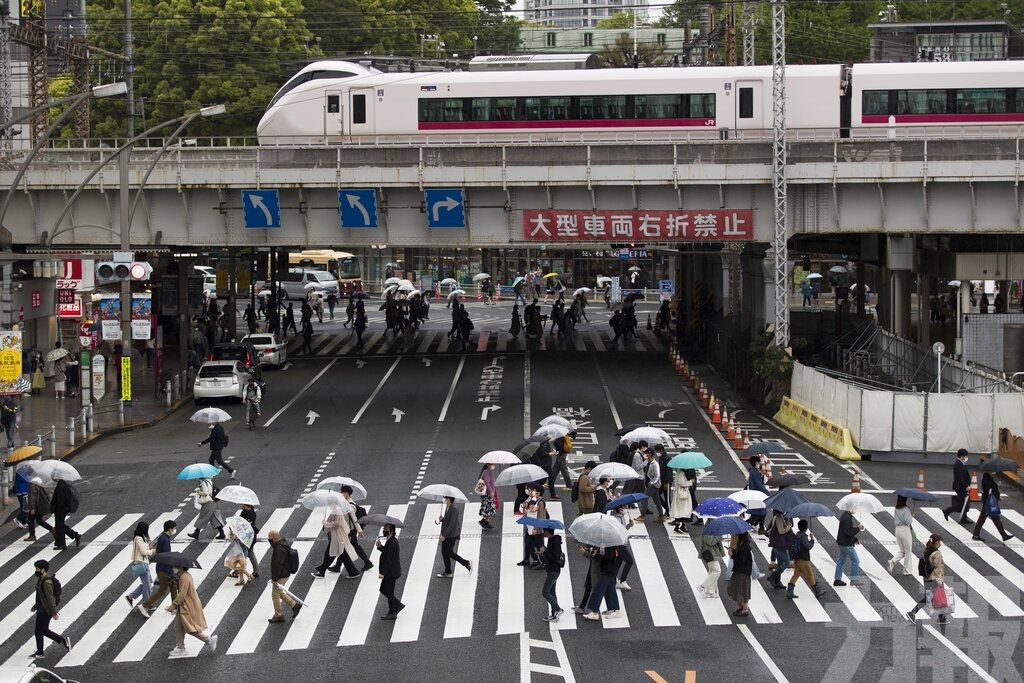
(336, 341)
(497, 597)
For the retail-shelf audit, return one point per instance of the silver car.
(272, 350)
(299, 282)
(220, 379)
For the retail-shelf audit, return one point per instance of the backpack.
(226, 440)
(293, 561)
(57, 589)
(216, 490)
(70, 497)
(924, 565)
(576, 490)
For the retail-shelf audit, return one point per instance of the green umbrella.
(691, 460)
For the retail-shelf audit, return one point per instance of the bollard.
(71, 431)
(53, 441)
(83, 420)
(120, 412)
(167, 392)
(90, 419)
(4, 500)
(177, 386)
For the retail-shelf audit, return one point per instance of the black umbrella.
(999, 465)
(359, 295)
(628, 428)
(634, 297)
(380, 520)
(176, 560)
(527, 448)
(784, 501)
(788, 480)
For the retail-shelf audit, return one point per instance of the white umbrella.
(60, 470)
(837, 269)
(448, 281)
(603, 280)
(241, 529)
(406, 288)
(392, 281)
(499, 458)
(582, 290)
(754, 500)
(388, 290)
(556, 420)
(415, 292)
(239, 495)
(520, 474)
(953, 283)
(813, 276)
(860, 502)
(210, 416)
(404, 282)
(456, 293)
(551, 431)
(481, 276)
(335, 484)
(311, 286)
(439, 492)
(599, 530)
(323, 498)
(613, 470)
(35, 471)
(634, 269)
(652, 435)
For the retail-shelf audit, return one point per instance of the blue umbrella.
(784, 501)
(626, 499)
(199, 471)
(540, 523)
(726, 525)
(719, 507)
(690, 460)
(915, 494)
(761, 448)
(808, 510)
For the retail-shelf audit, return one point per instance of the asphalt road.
(398, 422)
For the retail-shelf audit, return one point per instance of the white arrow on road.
(398, 414)
(360, 363)
(426, 362)
(661, 415)
(311, 418)
(448, 203)
(488, 409)
(356, 203)
(257, 203)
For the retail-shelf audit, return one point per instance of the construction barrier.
(825, 434)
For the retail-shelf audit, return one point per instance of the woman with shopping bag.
(936, 599)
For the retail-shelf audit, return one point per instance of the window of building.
(746, 103)
(588, 40)
(359, 109)
(660, 38)
(551, 39)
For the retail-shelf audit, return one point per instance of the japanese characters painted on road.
(699, 225)
(99, 376)
(10, 361)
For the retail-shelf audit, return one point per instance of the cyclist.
(254, 394)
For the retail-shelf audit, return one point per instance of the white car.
(205, 271)
(220, 379)
(272, 350)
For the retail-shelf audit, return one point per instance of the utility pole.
(747, 15)
(6, 101)
(125, 188)
(781, 250)
(730, 35)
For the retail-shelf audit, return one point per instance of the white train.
(335, 101)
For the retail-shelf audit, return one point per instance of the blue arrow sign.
(446, 207)
(358, 208)
(262, 208)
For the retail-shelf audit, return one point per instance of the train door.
(334, 123)
(750, 105)
(360, 109)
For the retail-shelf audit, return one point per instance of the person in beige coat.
(338, 524)
(188, 616)
(680, 503)
(585, 489)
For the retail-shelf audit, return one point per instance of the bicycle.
(252, 412)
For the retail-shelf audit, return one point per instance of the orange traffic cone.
(479, 296)
(731, 434)
(710, 407)
(737, 441)
(694, 379)
(746, 441)
(972, 493)
(686, 371)
(855, 487)
(716, 416)
(920, 479)
(725, 420)
(497, 293)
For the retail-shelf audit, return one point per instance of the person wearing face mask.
(188, 616)
(48, 592)
(164, 572)
(450, 531)
(390, 571)
(933, 570)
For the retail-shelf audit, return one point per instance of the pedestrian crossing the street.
(497, 597)
(342, 342)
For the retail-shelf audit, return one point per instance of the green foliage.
(59, 87)
(620, 53)
(679, 12)
(620, 20)
(920, 10)
(771, 363)
(818, 32)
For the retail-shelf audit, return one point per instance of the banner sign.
(701, 225)
(10, 361)
(110, 316)
(99, 376)
(142, 313)
(126, 379)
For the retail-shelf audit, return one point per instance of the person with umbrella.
(164, 572)
(359, 325)
(390, 570)
(802, 545)
(755, 482)
(340, 546)
(518, 289)
(990, 504)
(606, 564)
(218, 442)
(680, 503)
(38, 510)
(142, 550)
(449, 538)
(488, 493)
(652, 485)
(780, 539)
(235, 559)
(904, 538)
(517, 322)
(209, 512)
(847, 540)
(355, 531)
(553, 558)
(188, 616)
(711, 554)
(63, 503)
(248, 513)
(961, 483)
(625, 555)
(280, 570)
(742, 567)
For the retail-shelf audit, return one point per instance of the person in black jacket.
(990, 508)
(602, 494)
(450, 531)
(551, 554)
(45, 608)
(742, 566)
(390, 571)
(961, 482)
(847, 540)
(280, 570)
(248, 513)
(60, 503)
(217, 441)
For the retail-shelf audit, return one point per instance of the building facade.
(579, 13)
(945, 41)
(593, 40)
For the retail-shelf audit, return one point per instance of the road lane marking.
(417, 580)
(608, 395)
(851, 596)
(659, 598)
(380, 385)
(511, 587)
(756, 646)
(451, 390)
(300, 392)
(974, 666)
(527, 421)
(811, 610)
(563, 585)
(459, 621)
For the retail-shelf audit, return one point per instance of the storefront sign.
(71, 277)
(667, 288)
(72, 310)
(10, 361)
(702, 225)
(65, 296)
(37, 299)
(85, 336)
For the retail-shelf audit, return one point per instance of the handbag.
(992, 506)
(480, 488)
(939, 597)
(138, 568)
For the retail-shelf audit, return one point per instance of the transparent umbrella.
(499, 458)
(556, 420)
(439, 492)
(652, 435)
(520, 474)
(613, 470)
(241, 529)
(322, 498)
(210, 416)
(599, 530)
(551, 431)
(239, 495)
(335, 484)
(860, 502)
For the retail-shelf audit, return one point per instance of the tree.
(60, 86)
(620, 20)
(815, 32)
(681, 11)
(620, 53)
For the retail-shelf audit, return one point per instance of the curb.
(99, 436)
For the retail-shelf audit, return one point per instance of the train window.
(591, 107)
(532, 108)
(875, 102)
(981, 101)
(702, 106)
(554, 108)
(298, 80)
(922, 102)
(359, 109)
(333, 104)
(441, 109)
(480, 109)
(1020, 101)
(614, 106)
(746, 103)
(657, 107)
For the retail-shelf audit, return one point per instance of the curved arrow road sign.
(446, 207)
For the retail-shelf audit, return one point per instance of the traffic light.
(112, 272)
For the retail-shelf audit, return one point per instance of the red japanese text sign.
(697, 225)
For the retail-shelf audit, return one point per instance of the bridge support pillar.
(924, 310)
(900, 301)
